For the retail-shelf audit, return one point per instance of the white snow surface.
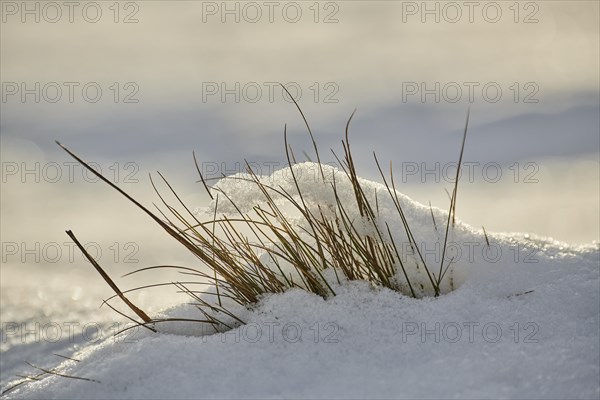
(522, 322)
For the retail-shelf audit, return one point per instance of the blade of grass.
(108, 280)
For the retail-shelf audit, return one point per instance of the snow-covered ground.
(523, 322)
(160, 86)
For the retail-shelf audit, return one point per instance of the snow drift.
(518, 317)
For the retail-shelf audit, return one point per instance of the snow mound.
(521, 322)
(468, 251)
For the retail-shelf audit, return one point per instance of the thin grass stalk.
(452, 210)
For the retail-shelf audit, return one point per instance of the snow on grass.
(523, 321)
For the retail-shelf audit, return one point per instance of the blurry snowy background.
(136, 86)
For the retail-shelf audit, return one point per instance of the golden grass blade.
(108, 280)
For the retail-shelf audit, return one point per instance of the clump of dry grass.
(244, 267)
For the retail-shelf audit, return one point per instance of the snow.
(520, 323)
